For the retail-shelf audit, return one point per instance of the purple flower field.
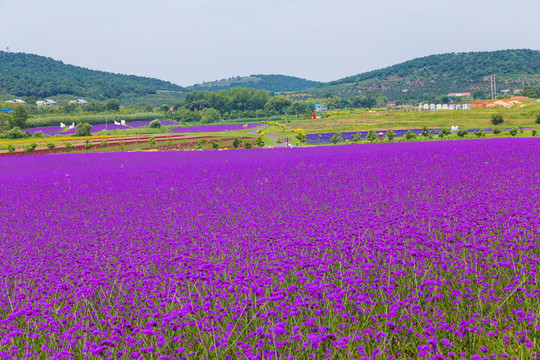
(214, 128)
(423, 250)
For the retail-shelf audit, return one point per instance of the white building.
(320, 107)
(47, 102)
(467, 106)
(16, 101)
(78, 102)
(426, 106)
(445, 107)
(432, 107)
(438, 107)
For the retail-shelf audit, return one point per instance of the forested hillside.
(32, 75)
(272, 83)
(441, 74)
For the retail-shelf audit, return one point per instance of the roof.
(319, 105)
(460, 94)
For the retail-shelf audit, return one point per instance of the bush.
(260, 141)
(247, 145)
(215, 145)
(236, 143)
(521, 129)
(88, 145)
(51, 145)
(513, 132)
(538, 118)
(301, 135)
(14, 133)
(104, 143)
(462, 133)
(480, 133)
(497, 130)
(409, 135)
(30, 147)
(279, 141)
(155, 124)
(497, 119)
(83, 129)
(10, 148)
(534, 132)
(391, 135)
(425, 132)
(38, 134)
(69, 146)
(151, 141)
(357, 137)
(336, 138)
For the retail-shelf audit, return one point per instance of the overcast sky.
(187, 42)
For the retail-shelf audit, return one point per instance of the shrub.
(14, 133)
(497, 119)
(444, 132)
(199, 145)
(260, 141)
(371, 136)
(215, 145)
(425, 131)
(10, 148)
(462, 133)
(534, 132)
(38, 134)
(236, 142)
(357, 137)
(122, 145)
(247, 145)
(151, 141)
(391, 135)
(69, 146)
(521, 129)
(409, 135)
(336, 138)
(480, 133)
(155, 124)
(51, 145)
(83, 129)
(497, 130)
(538, 118)
(279, 141)
(104, 143)
(300, 135)
(513, 132)
(30, 147)
(88, 145)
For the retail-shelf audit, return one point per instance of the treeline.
(274, 83)
(238, 103)
(32, 75)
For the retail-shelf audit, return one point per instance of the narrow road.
(273, 137)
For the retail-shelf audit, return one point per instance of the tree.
(336, 138)
(19, 117)
(112, 105)
(513, 132)
(462, 133)
(391, 135)
(236, 143)
(260, 141)
(5, 121)
(300, 135)
(538, 118)
(277, 104)
(357, 137)
(371, 136)
(155, 124)
(497, 119)
(83, 129)
(210, 116)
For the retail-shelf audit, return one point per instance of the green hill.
(437, 75)
(23, 75)
(272, 83)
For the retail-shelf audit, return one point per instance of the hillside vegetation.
(441, 74)
(272, 83)
(24, 75)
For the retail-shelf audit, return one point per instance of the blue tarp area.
(6, 110)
